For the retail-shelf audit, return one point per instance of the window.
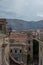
(11, 50)
(28, 58)
(0, 27)
(29, 41)
(20, 51)
(15, 51)
(29, 49)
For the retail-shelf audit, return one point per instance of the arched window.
(28, 58)
(15, 51)
(11, 50)
(29, 41)
(20, 51)
(29, 48)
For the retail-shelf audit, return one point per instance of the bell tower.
(3, 25)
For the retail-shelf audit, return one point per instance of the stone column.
(24, 54)
(0, 55)
(3, 62)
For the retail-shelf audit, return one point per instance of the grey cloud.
(23, 9)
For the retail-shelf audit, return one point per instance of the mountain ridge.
(17, 24)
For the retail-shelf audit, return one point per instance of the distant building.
(3, 25)
(21, 47)
(18, 47)
(3, 43)
(17, 36)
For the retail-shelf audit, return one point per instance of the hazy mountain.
(17, 24)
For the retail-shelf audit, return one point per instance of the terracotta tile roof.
(18, 36)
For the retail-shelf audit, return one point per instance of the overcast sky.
(21, 9)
